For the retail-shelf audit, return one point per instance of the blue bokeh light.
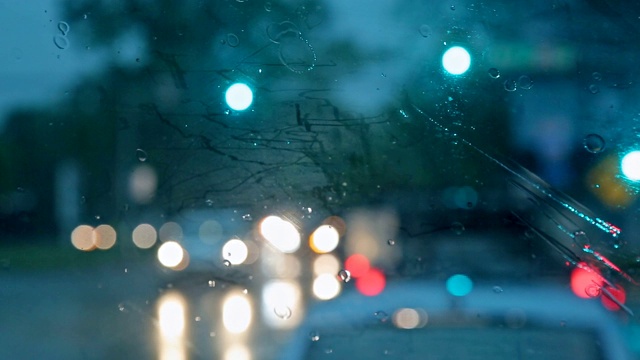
(456, 60)
(239, 96)
(459, 285)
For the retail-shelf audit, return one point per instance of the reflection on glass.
(171, 322)
(236, 313)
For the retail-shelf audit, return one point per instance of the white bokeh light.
(236, 314)
(630, 165)
(235, 251)
(239, 96)
(170, 254)
(325, 239)
(456, 60)
(326, 287)
(282, 234)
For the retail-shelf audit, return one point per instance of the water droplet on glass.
(141, 155)
(283, 312)
(268, 6)
(121, 307)
(594, 143)
(247, 217)
(510, 85)
(212, 334)
(97, 217)
(457, 228)
(345, 275)
(197, 318)
(232, 40)
(525, 82)
(593, 88)
(425, 30)
(494, 73)
(328, 351)
(61, 41)
(85, 16)
(212, 283)
(381, 316)
(452, 7)
(596, 76)
(227, 263)
(563, 323)
(592, 290)
(391, 242)
(63, 27)
(314, 336)
(498, 289)
(245, 291)
(20, 189)
(209, 202)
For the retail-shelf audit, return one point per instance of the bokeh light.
(372, 283)
(236, 313)
(630, 165)
(170, 231)
(280, 233)
(104, 237)
(82, 238)
(456, 60)
(618, 293)
(326, 264)
(235, 251)
(324, 239)
(142, 184)
(326, 287)
(282, 304)
(210, 231)
(239, 96)
(337, 223)
(170, 254)
(171, 323)
(586, 281)
(144, 236)
(357, 265)
(237, 352)
(459, 285)
(408, 318)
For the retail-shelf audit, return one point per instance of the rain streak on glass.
(141, 155)
(594, 143)
(494, 73)
(344, 275)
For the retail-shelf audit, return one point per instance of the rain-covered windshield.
(244, 179)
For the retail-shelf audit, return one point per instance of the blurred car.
(424, 320)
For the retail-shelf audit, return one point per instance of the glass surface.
(226, 178)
